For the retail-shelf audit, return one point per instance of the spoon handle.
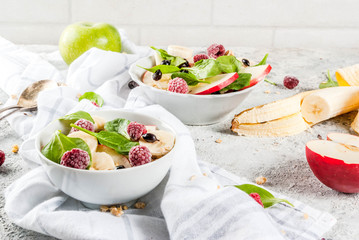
(17, 110)
(9, 107)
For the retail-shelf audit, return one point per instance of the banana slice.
(160, 84)
(90, 140)
(271, 111)
(286, 126)
(117, 158)
(348, 76)
(329, 102)
(181, 51)
(161, 147)
(102, 161)
(99, 123)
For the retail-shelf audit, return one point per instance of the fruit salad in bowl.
(106, 157)
(192, 85)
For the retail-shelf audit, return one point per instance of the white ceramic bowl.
(106, 187)
(190, 109)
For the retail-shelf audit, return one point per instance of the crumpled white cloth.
(179, 208)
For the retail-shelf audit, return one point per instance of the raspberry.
(256, 197)
(139, 155)
(200, 57)
(136, 130)
(86, 124)
(178, 85)
(2, 157)
(94, 103)
(216, 50)
(290, 82)
(76, 158)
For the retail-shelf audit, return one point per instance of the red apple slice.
(258, 74)
(344, 138)
(215, 84)
(335, 164)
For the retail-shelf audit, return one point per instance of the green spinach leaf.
(188, 77)
(241, 82)
(118, 125)
(264, 61)
(229, 64)
(113, 140)
(60, 143)
(329, 83)
(73, 117)
(163, 68)
(267, 198)
(93, 97)
(175, 61)
(205, 68)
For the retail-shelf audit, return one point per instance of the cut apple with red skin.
(258, 74)
(215, 84)
(336, 162)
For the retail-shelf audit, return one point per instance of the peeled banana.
(297, 113)
(329, 102)
(348, 76)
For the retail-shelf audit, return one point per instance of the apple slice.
(258, 73)
(215, 84)
(344, 138)
(335, 164)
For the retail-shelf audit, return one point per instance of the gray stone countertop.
(281, 160)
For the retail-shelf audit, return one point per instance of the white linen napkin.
(179, 208)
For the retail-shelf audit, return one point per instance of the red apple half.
(335, 164)
(215, 84)
(258, 74)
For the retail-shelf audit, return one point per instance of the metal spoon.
(28, 98)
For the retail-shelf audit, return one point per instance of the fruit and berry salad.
(94, 144)
(216, 71)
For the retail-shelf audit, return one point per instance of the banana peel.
(296, 114)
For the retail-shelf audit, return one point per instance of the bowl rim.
(114, 171)
(139, 81)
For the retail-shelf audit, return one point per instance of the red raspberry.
(136, 130)
(216, 50)
(200, 57)
(256, 197)
(178, 85)
(139, 155)
(290, 82)
(76, 158)
(86, 124)
(2, 157)
(94, 103)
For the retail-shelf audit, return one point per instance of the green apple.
(80, 37)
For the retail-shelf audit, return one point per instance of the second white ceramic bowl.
(190, 109)
(106, 187)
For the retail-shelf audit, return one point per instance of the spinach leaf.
(329, 83)
(118, 125)
(163, 68)
(241, 82)
(93, 97)
(175, 61)
(267, 198)
(73, 117)
(112, 140)
(263, 62)
(229, 64)
(188, 77)
(60, 143)
(205, 68)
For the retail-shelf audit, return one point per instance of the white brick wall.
(247, 23)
